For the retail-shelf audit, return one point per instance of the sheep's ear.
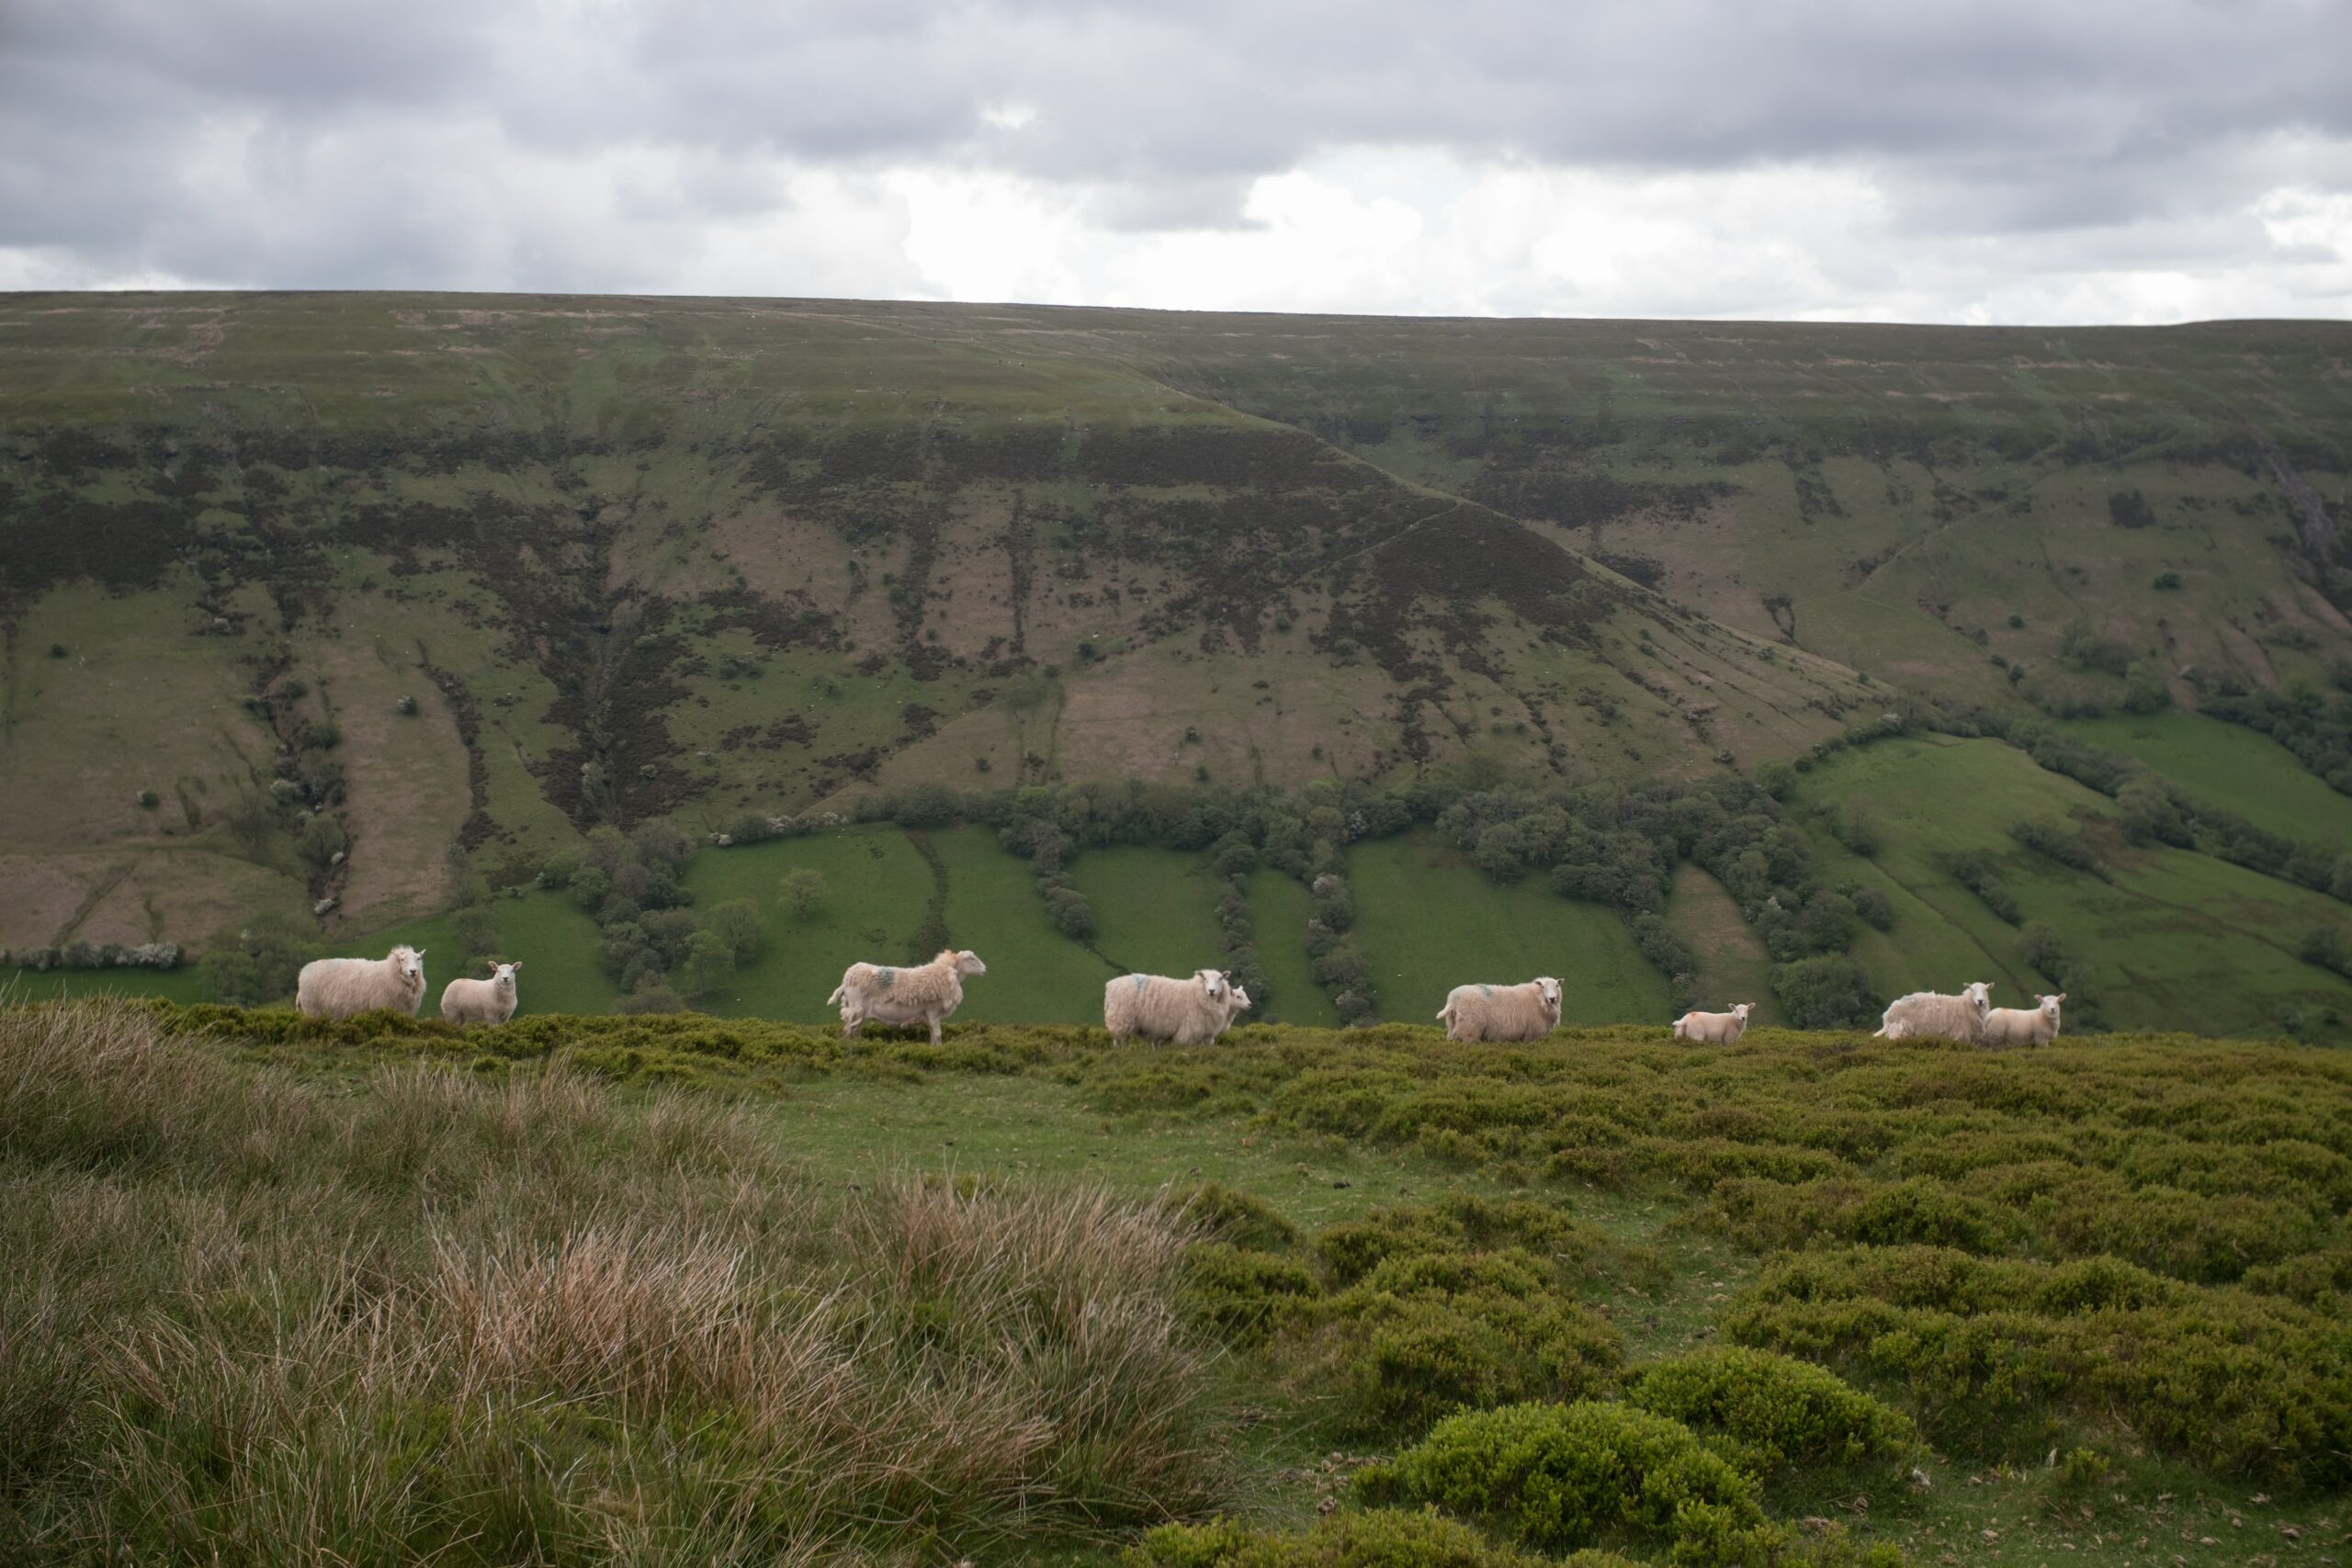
(517, 966)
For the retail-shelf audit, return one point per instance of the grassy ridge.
(2131, 1251)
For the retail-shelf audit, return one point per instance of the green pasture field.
(2126, 1253)
(1036, 973)
(2178, 940)
(877, 888)
(2230, 766)
(1428, 920)
(1155, 910)
(1280, 908)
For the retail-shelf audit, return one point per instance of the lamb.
(481, 1002)
(2035, 1025)
(1934, 1013)
(927, 993)
(1182, 1013)
(1525, 1012)
(1713, 1027)
(340, 988)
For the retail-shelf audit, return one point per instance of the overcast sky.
(1999, 160)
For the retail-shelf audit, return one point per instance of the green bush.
(1376, 1538)
(1781, 1412)
(1558, 1477)
(1241, 1293)
(2225, 1378)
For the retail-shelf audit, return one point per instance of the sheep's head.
(968, 962)
(1240, 999)
(1211, 983)
(1743, 1009)
(1980, 992)
(1549, 989)
(408, 963)
(504, 974)
(2049, 1008)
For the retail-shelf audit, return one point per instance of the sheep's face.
(1240, 999)
(503, 974)
(1743, 1009)
(408, 963)
(1211, 983)
(1979, 992)
(968, 962)
(1549, 989)
(2050, 1006)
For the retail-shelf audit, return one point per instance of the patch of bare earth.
(405, 779)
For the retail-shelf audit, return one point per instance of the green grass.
(1280, 908)
(877, 888)
(1428, 920)
(1685, 1194)
(1155, 910)
(1036, 973)
(185, 983)
(2177, 940)
(2232, 767)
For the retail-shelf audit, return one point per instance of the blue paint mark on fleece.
(1486, 990)
(1140, 980)
(887, 975)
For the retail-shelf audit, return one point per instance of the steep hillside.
(300, 590)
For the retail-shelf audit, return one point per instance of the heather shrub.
(1778, 1411)
(1559, 1477)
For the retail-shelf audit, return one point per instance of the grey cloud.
(2000, 117)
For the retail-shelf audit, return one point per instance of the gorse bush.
(244, 1319)
(2225, 1378)
(1778, 1411)
(1558, 1477)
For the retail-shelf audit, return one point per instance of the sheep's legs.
(935, 1034)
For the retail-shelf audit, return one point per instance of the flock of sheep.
(1158, 1008)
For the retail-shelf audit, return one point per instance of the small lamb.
(1713, 1027)
(2035, 1025)
(1179, 1012)
(1526, 1011)
(481, 1002)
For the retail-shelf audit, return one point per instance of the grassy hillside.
(371, 604)
(679, 1289)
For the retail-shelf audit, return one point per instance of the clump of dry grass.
(247, 1317)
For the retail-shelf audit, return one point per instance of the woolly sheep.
(481, 1002)
(1934, 1013)
(340, 988)
(2035, 1025)
(1713, 1027)
(925, 993)
(1180, 1013)
(1525, 1012)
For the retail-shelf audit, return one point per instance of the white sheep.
(481, 1002)
(340, 988)
(1526, 1011)
(924, 993)
(1182, 1013)
(1933, 1014)
(1713, 1027)
(2035, 1025)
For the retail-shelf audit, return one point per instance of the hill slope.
(489, 571)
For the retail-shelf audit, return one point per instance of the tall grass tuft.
(255, 1318)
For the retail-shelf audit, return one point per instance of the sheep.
(2035, 1025)
(926, 993)
(1713, 1027)
(1934, 1013)
(481, 1002)
(339, 988)
(1525, 1012)
(1182, 1013)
